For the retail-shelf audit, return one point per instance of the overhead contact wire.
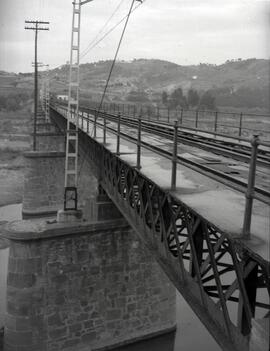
(101, 30)
(111, 69)
(109, 31)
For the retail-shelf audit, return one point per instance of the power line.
(110, 30)
(111, 69)
(103, 27)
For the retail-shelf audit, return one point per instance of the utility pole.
(45, 92)
(36, 27)
(71, 164)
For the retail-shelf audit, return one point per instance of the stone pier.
(89, 286)
(44, 176)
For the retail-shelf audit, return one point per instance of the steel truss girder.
(195, 254)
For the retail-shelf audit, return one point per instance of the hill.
(241, 83)
(237, 83)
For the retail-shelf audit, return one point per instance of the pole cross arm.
(37, 22)
(85, 2)
(36, 28)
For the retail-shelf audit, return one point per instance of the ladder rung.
(72, 154)
(75, 29)
(76, 10)
(71, 172)
(73, 102)
(75, 47)
(74, 84)
(72, 137)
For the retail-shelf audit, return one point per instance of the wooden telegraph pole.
(36, 27)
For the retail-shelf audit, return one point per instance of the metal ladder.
(71, 163)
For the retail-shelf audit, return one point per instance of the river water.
(191, 335)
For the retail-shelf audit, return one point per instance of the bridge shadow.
(159, 343)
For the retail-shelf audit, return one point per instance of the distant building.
(62, 97)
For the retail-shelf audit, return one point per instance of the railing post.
(134, 111)
(118, 135)
(174, 157)
(95, 123)
(148, 113)
(168, 115)
(196, 119)
(104, 127)
(250, 187)
(158, 113)
(181, 116)
(128, 110)
(139, 142)
(216, 121)
(240, 125)
(88, 122)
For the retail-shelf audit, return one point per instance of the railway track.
(240, 152)
(260, 194)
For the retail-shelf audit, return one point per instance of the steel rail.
(201, 141)
(237, 184)
(261, 194)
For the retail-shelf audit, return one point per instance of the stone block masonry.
(44, 176)
(43, 183)
(86, 286)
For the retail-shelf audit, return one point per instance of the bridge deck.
(221, 205)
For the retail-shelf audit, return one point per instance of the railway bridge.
(90, 281)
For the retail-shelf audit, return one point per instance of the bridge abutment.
(88, 286)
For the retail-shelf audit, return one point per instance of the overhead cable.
(101, 30)
(111, 69)
(109, 31)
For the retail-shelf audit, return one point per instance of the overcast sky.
(182, 31)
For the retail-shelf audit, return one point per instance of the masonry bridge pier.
(109, 278)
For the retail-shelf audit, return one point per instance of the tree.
(139, 96)
(208, 101)
(164, 98)
(2, 102)
(184, 103)
(176, 98)
(193, 98)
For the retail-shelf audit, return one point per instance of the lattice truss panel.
(232, 277)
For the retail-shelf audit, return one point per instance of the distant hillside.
(241, 83)
(236, 83)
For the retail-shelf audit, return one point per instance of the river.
(191, 335)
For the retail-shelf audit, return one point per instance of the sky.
(182, 31)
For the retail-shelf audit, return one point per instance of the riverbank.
(15, 132)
